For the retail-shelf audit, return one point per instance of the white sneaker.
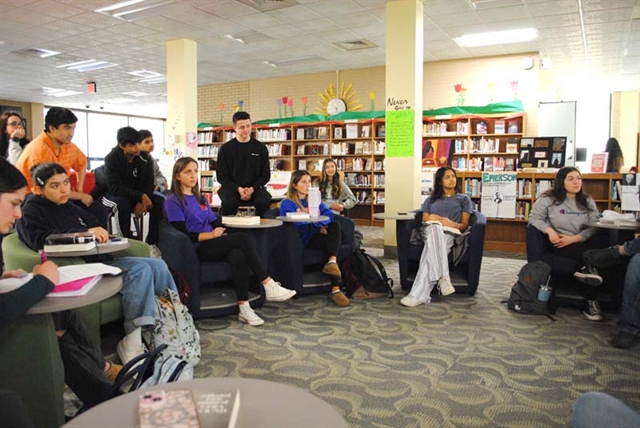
(275, 292)
(127, 351)
(445, 286)
(247, 315)
(410, 301)
(155, 252)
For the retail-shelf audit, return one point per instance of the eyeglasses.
(15, 124)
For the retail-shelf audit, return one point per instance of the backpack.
(362, 270)
(152, 368)
(524, 293)
(175, 328)
(184, 289)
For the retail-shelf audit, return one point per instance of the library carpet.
(458, 362)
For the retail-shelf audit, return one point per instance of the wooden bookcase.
(510, 234)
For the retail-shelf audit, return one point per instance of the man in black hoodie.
(130, 178)
(243, 170)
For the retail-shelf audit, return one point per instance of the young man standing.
(54, 145)
(147, 146)
(131, 183)
(243, 170)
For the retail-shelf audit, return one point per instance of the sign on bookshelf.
(499, 193)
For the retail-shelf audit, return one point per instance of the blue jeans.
(597, 410)
(145, 279)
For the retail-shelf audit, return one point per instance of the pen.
(43, 257)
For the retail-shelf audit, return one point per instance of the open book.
(448, 229)
(75, 280)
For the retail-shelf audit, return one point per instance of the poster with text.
(399, 138)
(630, 192)
(499, 193)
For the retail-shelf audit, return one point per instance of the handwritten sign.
(399, 133)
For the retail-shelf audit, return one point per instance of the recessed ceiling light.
(88, 65)
(53, 92)
(153, 80)
(270, 64)
(135, 94)
(145, 74)
(136, 9)
(497, 37)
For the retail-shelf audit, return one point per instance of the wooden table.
(262, 404)
(105, 288)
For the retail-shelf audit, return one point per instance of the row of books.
(512, 127)
(357, 180)
(209, 183)
(278, 149)
(313, 149)
(204, 165)
(522, 210)
(278, 165)
(442, 128)
(274, 134)
(378, 197)
(312, 133)
(616, 189)
(358, 148)
(363, 196)
(207, 137)
(208, 151)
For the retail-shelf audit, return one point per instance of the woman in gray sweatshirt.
(562, 215)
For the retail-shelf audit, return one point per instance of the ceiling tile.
(294, 14)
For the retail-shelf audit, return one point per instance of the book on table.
(298, 215)
(449, 229)
(75, 280)
(240, 220)
(67, 242)
(218, 409)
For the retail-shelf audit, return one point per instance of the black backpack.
(362, 270)
(524, 293)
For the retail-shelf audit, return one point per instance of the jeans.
(598, 410)
(434, 263)
(629, 320)
(145, 279)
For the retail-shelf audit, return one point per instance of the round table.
(398, 216)
(105, 248)
(265, 223)
(105, 288)
(262, 404)
(626, 225)
(286, 219)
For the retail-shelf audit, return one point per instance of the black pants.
(329, 242)
(565, 261)
(13, 411)
(261, 200)
(125, 209)
(82, 360)
(238, 250)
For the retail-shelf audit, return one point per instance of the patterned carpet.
(458, 362)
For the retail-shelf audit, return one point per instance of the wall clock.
(337, 100)
(335, 106)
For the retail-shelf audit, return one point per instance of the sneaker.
(275, 292)
(602, 258)
(588, 275)
(332, 269)
(592, 311)
(339, 298)
(155, 252)
(247, 315)
(625, 340)
(410, 301)
(112, 372)
(445, 287)
(128, 352)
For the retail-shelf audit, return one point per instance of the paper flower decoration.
(285, 101)
(220, 109)
(290, 104)
(279, 102)
(461, 93)
(305, 100)
(240, 105)
(514, 89)
(490, 88)
(372, 97)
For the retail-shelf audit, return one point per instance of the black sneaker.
(592, 311)
(625, 340)
(602, 258)
(588, 275)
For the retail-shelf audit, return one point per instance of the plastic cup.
(544, 293)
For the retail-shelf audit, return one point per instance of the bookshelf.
(510, 234)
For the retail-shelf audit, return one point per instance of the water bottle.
(314, 202)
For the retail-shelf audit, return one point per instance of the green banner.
(495, 108)
(399, 133)
(310, 118)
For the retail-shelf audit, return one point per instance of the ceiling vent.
(37, 52)
(269, 5)
(354, 45)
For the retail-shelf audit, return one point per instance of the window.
(156, 127)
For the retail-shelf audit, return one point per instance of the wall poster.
(499, 193)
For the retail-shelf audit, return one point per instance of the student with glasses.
(13, 136)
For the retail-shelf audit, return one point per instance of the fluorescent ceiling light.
(88, 65)
(53, 92)
(270, 64)
(289, 62)
(247, 37)
(497, 37)
(145, 74)
(135, 94)
(135, 9)
(118, 101)
(153, 80)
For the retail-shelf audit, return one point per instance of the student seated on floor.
(561, 216)
(323, 235)
(451, 209)
(86, 371)
(189, 212)
(49, 212)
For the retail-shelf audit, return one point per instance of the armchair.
(212, 293)
(465, 276)
(299, 268)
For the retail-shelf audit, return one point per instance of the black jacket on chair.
(465, 275)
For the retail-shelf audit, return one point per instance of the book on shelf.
(481, 127)
(352, 130)
(512, 127)
(382, 130)
(498, 127)
(321, 132)
(298, 215)
(240, 220)
(337, 132)
(217, 409)
(599, 162)
(300, 134)
(512, 147)
(449, 229)
(75, 280)
(364, 133)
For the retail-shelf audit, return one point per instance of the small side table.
(286, 219)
